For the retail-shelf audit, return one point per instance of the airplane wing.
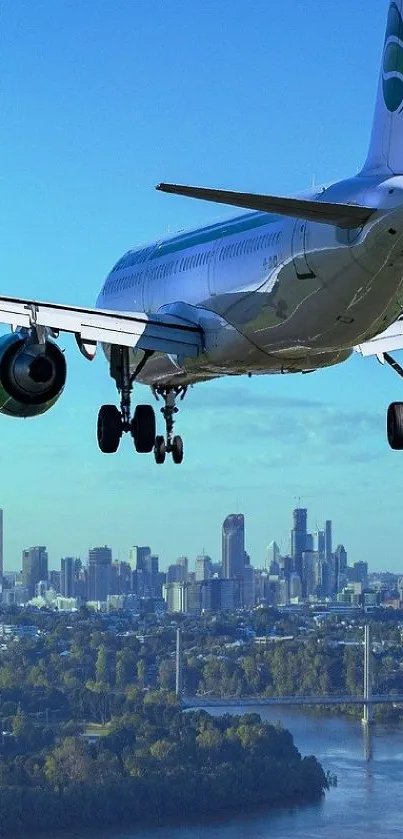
(388, 341)
(324, 212)
(161, 333)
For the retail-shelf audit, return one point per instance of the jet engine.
(32, 374)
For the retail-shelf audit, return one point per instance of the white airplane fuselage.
(273, 294)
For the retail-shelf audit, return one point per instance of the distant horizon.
(164, 564)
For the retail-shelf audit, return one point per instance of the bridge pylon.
(368, 717)
(179, 665)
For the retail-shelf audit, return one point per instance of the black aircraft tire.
(395, 426)
(177, 449)
(143, 429)
(159, 450)
(109, 429)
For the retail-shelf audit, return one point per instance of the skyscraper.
(319, 543)
(340, 568)
(203, 568)
(138, 555)
(273, 557)
(299, 538)
(328, 541)
(99, 565)
(233, 547)
(67, 576)
(34, 567)
(1, 547)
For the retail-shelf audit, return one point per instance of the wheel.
(395, 426)
(159, 450)
(109, 429)
(142, 428)
(177, 449)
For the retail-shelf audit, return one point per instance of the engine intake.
(32, 375)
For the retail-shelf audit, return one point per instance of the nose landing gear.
(172, 444)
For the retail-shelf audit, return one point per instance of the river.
(366, 802)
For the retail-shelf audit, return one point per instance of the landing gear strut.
(171, 444)
(394, 422)
(112, 423)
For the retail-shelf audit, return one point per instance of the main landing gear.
(394, 423)
(113, 423)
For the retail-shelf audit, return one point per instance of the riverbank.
(366, 801)
(154, 765)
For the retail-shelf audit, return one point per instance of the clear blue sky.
(99, 102)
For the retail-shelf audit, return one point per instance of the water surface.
(366, 803)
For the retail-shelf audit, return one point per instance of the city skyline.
(311, 572)
(91, 126)
(313, 531)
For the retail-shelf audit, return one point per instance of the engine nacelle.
(32, 375)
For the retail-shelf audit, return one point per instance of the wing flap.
(160, 333)
(347, 216)
(388, 341)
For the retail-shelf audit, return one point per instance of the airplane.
(293, 285)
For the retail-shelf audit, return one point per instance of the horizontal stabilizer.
(340, 215)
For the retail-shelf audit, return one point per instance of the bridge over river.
(368, 700)
(208, 701)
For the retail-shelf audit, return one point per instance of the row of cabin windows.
(249, 246)
(113, 285)
(131, 259)
(195, 261)
(187, 263)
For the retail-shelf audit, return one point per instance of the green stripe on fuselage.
(242, 224)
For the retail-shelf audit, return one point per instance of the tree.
(69, 764)
(102, 669)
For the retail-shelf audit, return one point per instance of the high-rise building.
(137, 556)
(1, 548)
(34, 567)
(328, 541)
(175, 596)
(248, 594)
(273, 557)
(152, 576)
(233, 547)
(359, 573)
(67, 576)
(295, 586)
(309, 573)
(175, 574)
(99, 570)
(210, 594)
(319, 543)
(309, 542)
(203, 568)
(340, 568)
(125, 578)
(299, 538)
(183, 563)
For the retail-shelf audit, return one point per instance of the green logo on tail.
(393, 61)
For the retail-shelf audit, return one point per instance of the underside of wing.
(158, 333)
(347, 216)
(388, 341)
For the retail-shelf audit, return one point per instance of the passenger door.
(302, 268)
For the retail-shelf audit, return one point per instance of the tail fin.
(386, 148)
